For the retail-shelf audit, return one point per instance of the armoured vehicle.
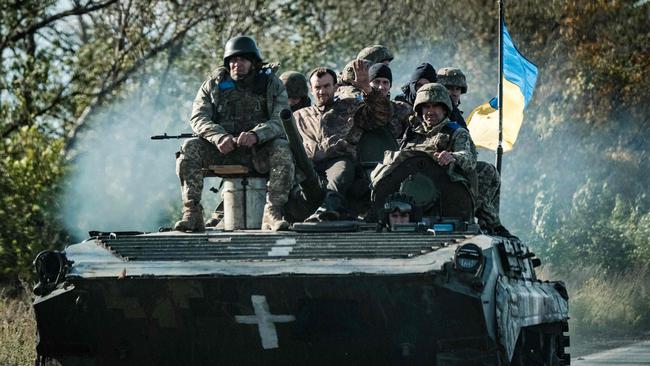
(435, 292)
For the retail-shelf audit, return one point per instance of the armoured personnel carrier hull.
(343, 294)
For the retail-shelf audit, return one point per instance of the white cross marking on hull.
(265, 321)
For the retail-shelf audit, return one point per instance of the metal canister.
(243, 202)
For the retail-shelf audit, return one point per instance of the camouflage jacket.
(399, 120)
(205, 120)
(449, 136)
(335, 130)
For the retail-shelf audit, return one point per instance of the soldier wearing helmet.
(489, 180)
(236, 116)
(454, 80)
(332, 128)
(433, 132)
(297, 89)
(376, 54)
(399, 208)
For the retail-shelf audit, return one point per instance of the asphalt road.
(633, 354)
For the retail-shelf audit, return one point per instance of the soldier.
(381, 79)
(332, 128)
(489, 181)
(236, 114)
(423, 74)
(446, 141)
(399, 208)
(376, 54)
(454, 80)
(297, 89)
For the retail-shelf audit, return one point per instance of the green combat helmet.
(376, 54)
(451, 76)
(241, 45)
(295, 83)
(432, 93)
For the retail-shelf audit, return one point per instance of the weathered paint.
(287, 298)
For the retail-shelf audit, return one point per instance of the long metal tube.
(500, 144)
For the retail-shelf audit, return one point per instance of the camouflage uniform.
(451, 76)
(334, 131)
(489, 181)
(487, 202)
(445, 136)
(400, 116)
(223, 106)
(331, 134)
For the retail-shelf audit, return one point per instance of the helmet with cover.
(432, 93)
(451, 76)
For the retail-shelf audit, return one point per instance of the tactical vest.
(239, 109)
(442, 140)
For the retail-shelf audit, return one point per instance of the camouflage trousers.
(487, 202)
(273, 157)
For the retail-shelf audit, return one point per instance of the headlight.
(468, 257)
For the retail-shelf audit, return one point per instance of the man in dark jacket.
(423, 74)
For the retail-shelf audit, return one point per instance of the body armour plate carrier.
(240, 109)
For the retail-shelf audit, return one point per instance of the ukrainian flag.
(519, 77)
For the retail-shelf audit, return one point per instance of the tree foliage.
(575, 185)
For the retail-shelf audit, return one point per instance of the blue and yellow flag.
(519, 77)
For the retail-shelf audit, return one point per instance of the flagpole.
(500, 144)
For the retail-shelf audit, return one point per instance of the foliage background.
(575, 185)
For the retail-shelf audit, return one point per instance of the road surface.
(633, 354)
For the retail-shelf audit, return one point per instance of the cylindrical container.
(255, 200)
(243, 203)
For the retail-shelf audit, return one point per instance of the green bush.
(30, 176)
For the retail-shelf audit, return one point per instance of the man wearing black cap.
(381, 79)
(423, 74)
(236, 116)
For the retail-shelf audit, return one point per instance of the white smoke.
(122, 180)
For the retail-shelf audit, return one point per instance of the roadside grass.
(605, 306)
(617, 304)
(17, 330)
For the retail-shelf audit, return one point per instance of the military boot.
(216, 218)
(329, 209)
(272, 219)
(192, 217)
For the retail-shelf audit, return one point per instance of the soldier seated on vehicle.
(454, 80)
(423, 74)
(331, 130)
(297, 89)
(449, 144)
(236, 114)
(381, 78)
(489, 180)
